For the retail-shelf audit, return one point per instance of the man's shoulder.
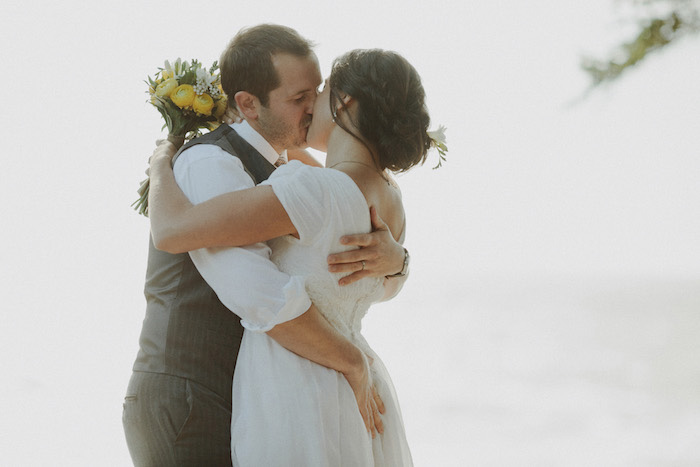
(203, 152)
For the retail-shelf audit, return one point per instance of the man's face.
(285, 121)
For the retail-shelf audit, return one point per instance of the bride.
(371, 119)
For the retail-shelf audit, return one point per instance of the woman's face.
(322, 121)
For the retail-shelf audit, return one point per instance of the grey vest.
(187, 331)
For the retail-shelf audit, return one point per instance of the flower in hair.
(438, 141)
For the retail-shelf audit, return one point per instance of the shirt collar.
(261, 145)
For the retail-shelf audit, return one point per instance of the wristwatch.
(404, 270)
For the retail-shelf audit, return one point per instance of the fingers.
(366, 239)
(353, 256)
(377, 222)
(349, 267)
(366, 413)
(231, 116)
(354, 277)
(377, 423)
(357, 240)
(164, 148)
(378, 400)
(352, 263)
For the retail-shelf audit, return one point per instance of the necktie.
(280, 161)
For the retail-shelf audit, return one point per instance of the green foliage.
(656, 31)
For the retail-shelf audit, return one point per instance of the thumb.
(377, 222)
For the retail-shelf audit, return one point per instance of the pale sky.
(539, 186)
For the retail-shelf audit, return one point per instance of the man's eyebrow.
(303, 91)
(300, 94)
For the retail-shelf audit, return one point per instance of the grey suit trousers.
(173, 421)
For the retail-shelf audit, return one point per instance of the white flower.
(178, 66)
(205, 83)
(439, 142)
(204, 76)
(438, 136)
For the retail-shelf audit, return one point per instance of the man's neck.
(255, 139)
(259, 130)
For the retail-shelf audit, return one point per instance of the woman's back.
(286, 409)
(324, 205)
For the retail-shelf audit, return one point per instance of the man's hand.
(380, 255)
(368, 400)
(311, 336)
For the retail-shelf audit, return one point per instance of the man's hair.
(246, 63)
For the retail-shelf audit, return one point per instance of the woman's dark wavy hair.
(392, 116)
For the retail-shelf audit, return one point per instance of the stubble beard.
(281, 134)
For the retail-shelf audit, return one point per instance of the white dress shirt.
(244, 279)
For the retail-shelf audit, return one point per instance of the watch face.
(404, 270)
(405, 263)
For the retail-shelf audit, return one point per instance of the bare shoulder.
(389, 204)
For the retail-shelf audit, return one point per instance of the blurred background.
(553, 309)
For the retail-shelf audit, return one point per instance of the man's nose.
(310, 105)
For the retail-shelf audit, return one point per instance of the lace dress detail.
(286, 409)
(344, 307)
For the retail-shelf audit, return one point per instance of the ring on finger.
(363, 266)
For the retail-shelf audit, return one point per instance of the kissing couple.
(251, 352)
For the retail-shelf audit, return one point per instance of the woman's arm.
(232, 219)
(303, 156)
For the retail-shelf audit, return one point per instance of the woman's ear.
(247, 104)
(344, 103)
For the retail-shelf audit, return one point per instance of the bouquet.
(190, 99)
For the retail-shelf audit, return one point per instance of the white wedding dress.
(288, 411)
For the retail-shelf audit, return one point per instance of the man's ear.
(247, 104)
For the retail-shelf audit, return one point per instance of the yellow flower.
(183, 95)
(166, 88)
(203, 104)
(220, 107)
(166, 74)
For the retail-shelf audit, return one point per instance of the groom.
(177, 410)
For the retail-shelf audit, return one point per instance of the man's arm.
(312, 337)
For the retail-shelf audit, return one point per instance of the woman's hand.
(303, 156)
(368, 400)
(231, 116)
(165, 151)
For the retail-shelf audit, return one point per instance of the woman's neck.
(343, 147)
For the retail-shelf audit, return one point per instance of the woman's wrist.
(160, 161)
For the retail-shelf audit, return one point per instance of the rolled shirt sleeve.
(244, 278)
